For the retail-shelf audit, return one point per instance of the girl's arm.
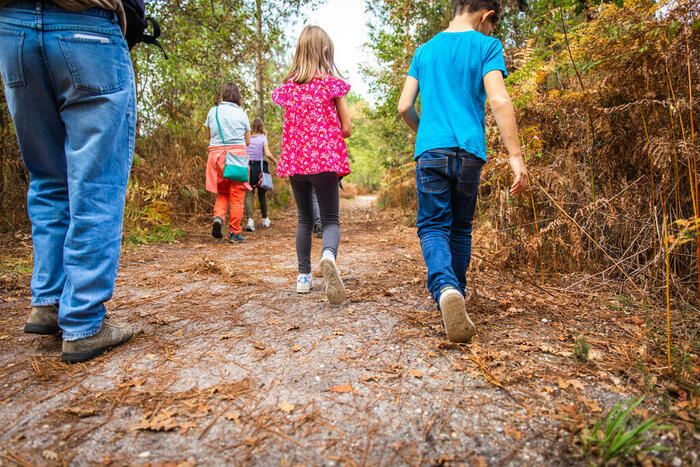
(344, 115)
(247, 138)
(502, 108)
(269, 155)
(407, 103)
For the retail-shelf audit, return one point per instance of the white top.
(234, 125)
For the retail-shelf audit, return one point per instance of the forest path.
(232, 366)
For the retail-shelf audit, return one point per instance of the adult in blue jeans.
(69, 85)
(455, 72)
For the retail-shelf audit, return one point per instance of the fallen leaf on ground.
(341, 388)
(163, 421)
(259, 345)
(49, 455)
(233, 416)
(592, 405)
(81, 412)
(416, 373)
(187, 426)
(576, 384)
(296, 348)
(513, 432)
(286, 407)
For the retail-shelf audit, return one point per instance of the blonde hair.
(313, 57)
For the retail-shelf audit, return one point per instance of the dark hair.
(473, 6)
(258, 126)
(231, 93)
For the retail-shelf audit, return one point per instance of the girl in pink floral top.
(314, 155)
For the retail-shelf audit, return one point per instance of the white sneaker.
(251, 225)
(335, 290)
(458, 326)
(304, 283)
(267, 223)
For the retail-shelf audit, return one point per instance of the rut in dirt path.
(232, 366)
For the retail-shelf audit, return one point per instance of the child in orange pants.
(229, 194)
(229, 132)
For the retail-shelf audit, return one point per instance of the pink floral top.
(312, 141)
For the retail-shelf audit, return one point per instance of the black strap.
(153, 38)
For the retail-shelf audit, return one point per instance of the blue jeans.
(448, 185)
(69, 86)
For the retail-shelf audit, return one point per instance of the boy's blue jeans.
(448, 185)
(70, 89)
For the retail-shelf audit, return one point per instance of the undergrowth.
(620, 435)
(158, 234)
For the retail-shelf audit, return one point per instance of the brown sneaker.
(43, 320)
(109, 336)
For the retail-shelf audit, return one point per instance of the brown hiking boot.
(109, 336)
(43, 320)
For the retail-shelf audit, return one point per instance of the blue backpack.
(138, 25)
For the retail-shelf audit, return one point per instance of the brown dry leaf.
(233, 416)
(163, 421)
(296, 348)
(187, 426)
(286, 407)
(134, 383)
(432, 354)
(592, 405)
(575, 383)
(81, 412)
(513, 432)
(568, 409)
(341, 388)
(369, 378)
(49, 455)
(228, 335)
(415, 373)
(259, 345)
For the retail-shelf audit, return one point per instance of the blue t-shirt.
(450, 70)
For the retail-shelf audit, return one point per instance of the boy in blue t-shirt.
(455, 72)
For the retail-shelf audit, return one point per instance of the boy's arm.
(503, 111)
(407, 103)
(344, 115)
(247, 138)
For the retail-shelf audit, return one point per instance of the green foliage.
(159, 234)
(16, 266)
(581, 349)
(620, 434)
(364, 146)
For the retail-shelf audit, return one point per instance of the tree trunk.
(259, 63)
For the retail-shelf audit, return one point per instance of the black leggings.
(250, 196)
(326, 186)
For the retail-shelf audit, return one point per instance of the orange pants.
(233, 194)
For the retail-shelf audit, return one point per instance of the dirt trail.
(232, 366)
